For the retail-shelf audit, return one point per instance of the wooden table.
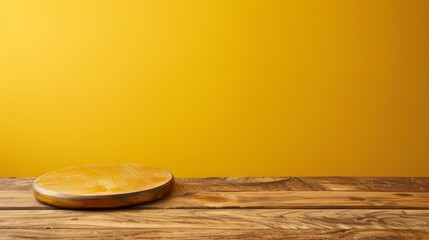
(236, 208)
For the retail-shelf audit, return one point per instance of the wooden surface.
(102, 185)
(235, 208)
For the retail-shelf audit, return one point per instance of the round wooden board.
(102, 186)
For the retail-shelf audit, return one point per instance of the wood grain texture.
(236, 208)
(251, 200)
(219, 218)
(225, 184)
(102, 185)
(16, 184)
(371, 184)
(273, 234)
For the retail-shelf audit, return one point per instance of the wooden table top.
(236, 208)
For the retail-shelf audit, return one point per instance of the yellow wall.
(216, 87)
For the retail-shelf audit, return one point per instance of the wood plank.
(238, 184)
(371, 184)
(217, 219)
(198, 184)
(422, 181)
(120, 233)
(273, 184)
(265, 200)
(16, 184)
(295, 199)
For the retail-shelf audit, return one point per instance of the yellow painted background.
(216, 87)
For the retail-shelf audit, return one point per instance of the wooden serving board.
(102, 186)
